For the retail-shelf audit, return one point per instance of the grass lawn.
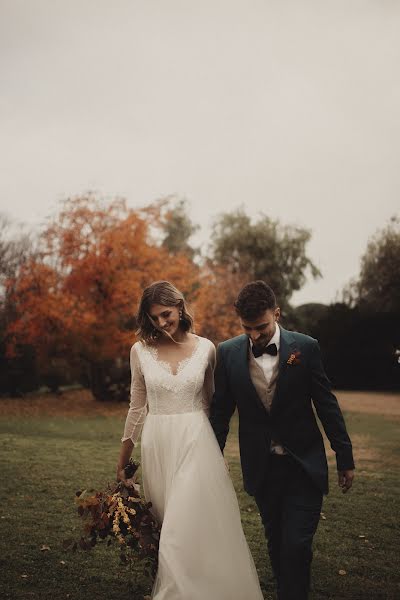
(50, 447)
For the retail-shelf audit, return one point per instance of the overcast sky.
(286, 107)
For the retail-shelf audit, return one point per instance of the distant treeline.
(68, 294)
(358, 347)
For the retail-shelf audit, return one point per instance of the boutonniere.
(294, 358)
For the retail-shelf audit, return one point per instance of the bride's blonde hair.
(166, 294)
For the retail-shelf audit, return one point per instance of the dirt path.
(373, 403)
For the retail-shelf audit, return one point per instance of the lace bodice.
(157, 390)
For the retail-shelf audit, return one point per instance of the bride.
(203, 553)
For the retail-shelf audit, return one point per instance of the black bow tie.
(271, 349)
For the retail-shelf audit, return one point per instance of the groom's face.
(262, 329)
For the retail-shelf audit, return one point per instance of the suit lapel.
(287, 347)
(241, 366)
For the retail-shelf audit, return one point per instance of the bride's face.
(166, 317)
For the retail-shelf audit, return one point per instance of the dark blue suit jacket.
(291, 420)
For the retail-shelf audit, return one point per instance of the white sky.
(290, 107)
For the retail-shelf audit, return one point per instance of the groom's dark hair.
(254, 299)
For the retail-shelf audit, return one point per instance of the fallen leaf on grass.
(24, 576)
(62, 562)
(342, 572)
(43, 548)
(361, 537)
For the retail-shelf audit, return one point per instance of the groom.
(273, 377)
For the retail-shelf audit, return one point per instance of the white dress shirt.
(266, 361)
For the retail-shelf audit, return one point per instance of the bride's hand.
(121, 475)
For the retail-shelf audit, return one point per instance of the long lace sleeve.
(138, 401)
(208, 388)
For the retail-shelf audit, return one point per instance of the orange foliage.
(215, 315)
(79, 296)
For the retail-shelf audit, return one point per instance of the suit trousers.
(290, 506)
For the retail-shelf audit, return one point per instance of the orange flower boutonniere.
(294, 358)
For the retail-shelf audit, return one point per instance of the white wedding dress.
(203, 552)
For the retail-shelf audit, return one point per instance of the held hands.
(345, 479)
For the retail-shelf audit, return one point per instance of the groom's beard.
(262, 341)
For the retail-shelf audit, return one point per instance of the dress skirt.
(203, 553)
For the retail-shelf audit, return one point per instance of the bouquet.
(119, 514)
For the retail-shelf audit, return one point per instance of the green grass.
(43, 461)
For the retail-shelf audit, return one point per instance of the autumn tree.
(77, 299)
(263, 249)
(215, 316)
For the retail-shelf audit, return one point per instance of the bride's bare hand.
(121, 475)
(129, 482)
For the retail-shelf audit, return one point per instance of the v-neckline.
(180, 366)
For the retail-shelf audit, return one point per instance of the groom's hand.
(345, 479)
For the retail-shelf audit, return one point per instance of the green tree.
(378, 285)
(178, 228)
(15, 246)
(305, 318)
(263, 249)
(19, 374)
